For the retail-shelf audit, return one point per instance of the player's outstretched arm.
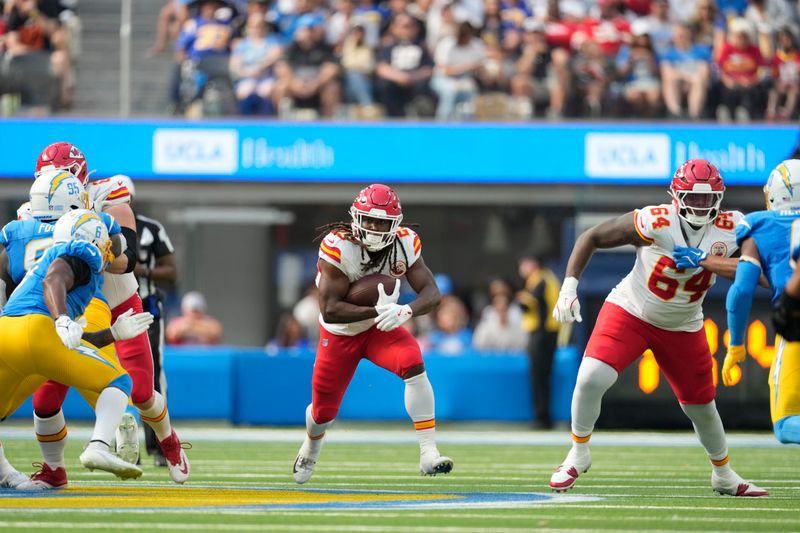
(333, 287)
(737, 304)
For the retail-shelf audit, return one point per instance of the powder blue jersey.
(28, 298)
(773, 233)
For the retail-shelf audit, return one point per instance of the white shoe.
(306, 460)
(174, 453)
(432, 463)
(95, 459)
(732, 484)
(567, 473)
(127, 439)
(11, 478)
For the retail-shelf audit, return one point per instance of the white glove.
(129, 325)
(69, 331)
(567, 308)
(391, 316)
(384, 299)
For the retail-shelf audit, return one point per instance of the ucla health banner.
(570, 153)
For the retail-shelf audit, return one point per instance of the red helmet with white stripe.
(376, 215)
(697, 190)
(63, 156)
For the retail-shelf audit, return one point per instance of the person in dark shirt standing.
(156, 264)
(538, 300)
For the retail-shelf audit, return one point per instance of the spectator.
(252, 8)
(457, 61)
(536, 74)
(638, 68)
(682, 11)
(500, 327)
(740, 65)
(538, 300)
(609, 31)
(708, 27)
(252, 64)
(306, 311)
(358, 61)
(205, 37)
(451, 336)
(170, 21)
(30, 31)
(404, 67)
(659, 26)
(194, 326)
(339, 24)
(686, 71)
(590, 69)
(766, 16)
(308, 74)
(785, 77)
(289, 334)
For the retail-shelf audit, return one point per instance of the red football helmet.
(697, 190)
(63, 156)
(374, 204)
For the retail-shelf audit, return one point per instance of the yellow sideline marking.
(133, 497)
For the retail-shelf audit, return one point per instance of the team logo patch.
(143, 498)
(325, 342)
(398, 269)
(720, 249)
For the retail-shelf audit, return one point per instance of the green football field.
(367, 480)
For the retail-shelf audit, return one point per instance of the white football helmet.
(782, 190)
(84, 225)
(54, 193)
(24, 211)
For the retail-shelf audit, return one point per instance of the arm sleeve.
(740, 299)
(80, 269)
(131, 249)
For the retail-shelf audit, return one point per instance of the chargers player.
(372, 242)
(57, 288)
(121, 292)
(657, 306)
(766, 239)
(23, 242)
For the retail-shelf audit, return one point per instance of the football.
(365, 290)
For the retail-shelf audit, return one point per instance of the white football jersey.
(655, 290)
(117, 288)
(350, 258)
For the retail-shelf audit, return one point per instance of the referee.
(156, 265)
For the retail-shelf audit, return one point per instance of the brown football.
(364, 291)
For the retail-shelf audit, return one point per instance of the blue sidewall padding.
(247, 386)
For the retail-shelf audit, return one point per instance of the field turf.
(367, 480)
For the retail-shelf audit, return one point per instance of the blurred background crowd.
(449, 59)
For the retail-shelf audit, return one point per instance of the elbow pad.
(740, 299)
(130, 248)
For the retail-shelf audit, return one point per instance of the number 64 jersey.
(658, 292)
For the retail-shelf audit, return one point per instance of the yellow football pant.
(784, 380)
(31, 352)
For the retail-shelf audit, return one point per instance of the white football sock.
(110, 405)
(5, 466)
(421, 407)
(52, 436)
(594, 379)
(314, 434)
(708, 426)
(157, 417)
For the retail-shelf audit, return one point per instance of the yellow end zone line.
(137, 497)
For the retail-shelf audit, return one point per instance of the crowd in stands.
(514, 59)
(39, 44)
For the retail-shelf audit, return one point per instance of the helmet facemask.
(698, 207)
(373, 239)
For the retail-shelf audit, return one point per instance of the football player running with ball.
(372, 243)
(657, 306)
